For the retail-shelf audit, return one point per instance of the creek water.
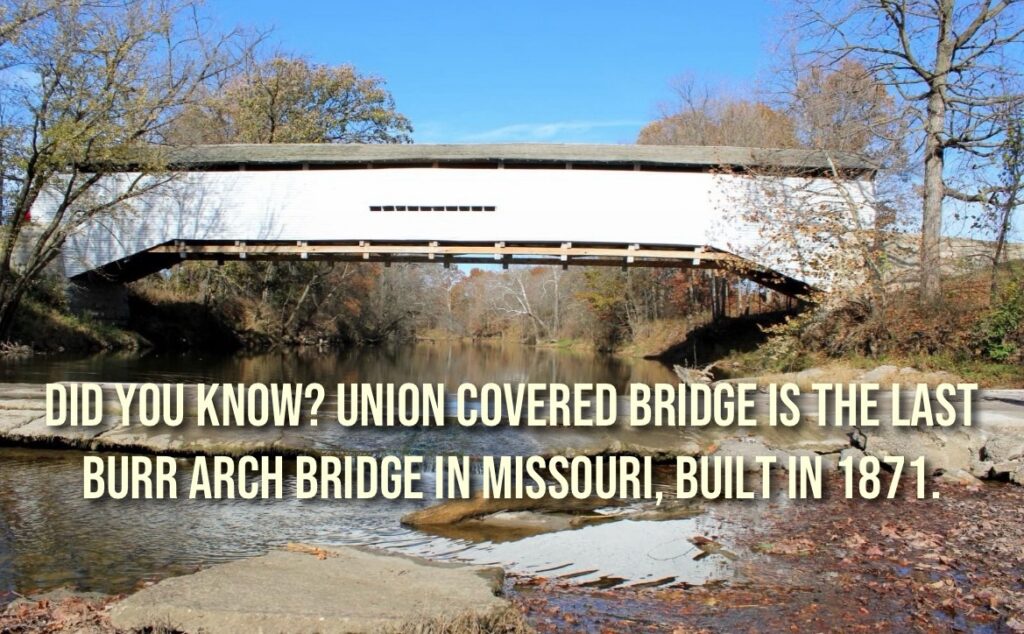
(51, 537)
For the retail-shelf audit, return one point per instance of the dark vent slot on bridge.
(433, 208)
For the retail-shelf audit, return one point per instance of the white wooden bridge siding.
(556, 206)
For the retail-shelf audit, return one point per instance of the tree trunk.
(6, 322)
(931, 217)
(934, 159)
(8, 309)
(1004, 227)
(557, 320)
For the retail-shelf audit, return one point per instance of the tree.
(290, 100)
(701, 117)
(87, 84)
(822, 229)
(848, 110)
(945, 60)
(603, 292)
(1007, 188)
(474, 310)
(446, 286)
(394, 298)
(524, 293)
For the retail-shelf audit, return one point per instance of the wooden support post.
(366, 254)
(241, 252)
(430, 254)
(304, 254)
(696, 260)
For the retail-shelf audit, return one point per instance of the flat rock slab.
(37, 431)
(348, 590)
(13, 419)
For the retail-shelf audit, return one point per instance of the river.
(51, 537)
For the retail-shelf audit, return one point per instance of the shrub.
(999, 334)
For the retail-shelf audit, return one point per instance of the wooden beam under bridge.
(504, 253)
(497, 249)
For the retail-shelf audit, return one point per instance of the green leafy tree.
(86, 84)
(290, 100)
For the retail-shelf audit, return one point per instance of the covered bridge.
(620, 205)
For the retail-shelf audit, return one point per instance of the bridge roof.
(659, 157)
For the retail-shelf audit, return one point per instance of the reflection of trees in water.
(8, 517)
(50, 536)
(441, 362)
(450, 363)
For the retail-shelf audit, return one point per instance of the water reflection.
(449, 363)
(444, 362)
(50, 536)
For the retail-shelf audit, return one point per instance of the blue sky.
(571, 71)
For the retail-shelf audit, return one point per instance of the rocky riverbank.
(298, 589)
(951, 564)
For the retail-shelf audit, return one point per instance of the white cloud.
(555, 131)
(609, 131)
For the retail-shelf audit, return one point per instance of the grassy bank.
(49, 327)
(47, 324)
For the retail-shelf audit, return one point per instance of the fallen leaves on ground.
(306, 549)
(70, 614)
(950, 564)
